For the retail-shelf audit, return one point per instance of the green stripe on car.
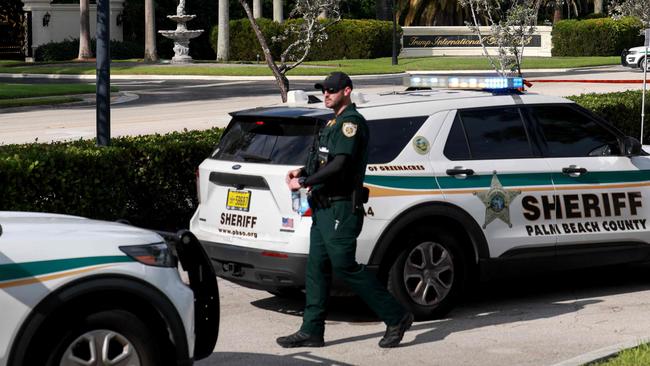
(13, 271)
(507, 180)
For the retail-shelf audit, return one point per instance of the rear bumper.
(255, 268)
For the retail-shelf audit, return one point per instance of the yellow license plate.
(238, 200)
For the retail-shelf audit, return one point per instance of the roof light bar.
(464, 82)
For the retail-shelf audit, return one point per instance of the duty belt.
(339, 198)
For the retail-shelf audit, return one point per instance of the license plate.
(238, 200)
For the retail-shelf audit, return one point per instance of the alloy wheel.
(100, 347)
(428, 273)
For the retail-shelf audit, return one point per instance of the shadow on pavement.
(499, 302)
(247, 359)
(341, 308)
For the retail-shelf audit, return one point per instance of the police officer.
(335, 173)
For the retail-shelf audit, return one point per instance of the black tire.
(448, 277)
(122, 328)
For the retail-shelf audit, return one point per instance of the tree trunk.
(280, 78)
(557, 11)
(383, 9)
(598, 6)
(278, 14)
(150, 51)
(257, 9)
(84, 31)
(223, 38)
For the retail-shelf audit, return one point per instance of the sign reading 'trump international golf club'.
(466, 40)
(461, 41)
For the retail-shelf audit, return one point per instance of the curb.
(266, 78)
(190, 77)
(600, 354)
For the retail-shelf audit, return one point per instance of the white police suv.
(634, 57)
(75, 291)
(463, 184)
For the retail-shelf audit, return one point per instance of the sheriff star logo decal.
(497, 202)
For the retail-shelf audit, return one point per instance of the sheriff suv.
(472, 179)
(75, 291)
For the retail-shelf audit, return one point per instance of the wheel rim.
(428, 273)
(100, 347)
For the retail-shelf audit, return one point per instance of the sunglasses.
(331, 90)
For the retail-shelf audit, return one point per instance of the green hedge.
(347, 39)
(622, 109)
(69, 50)
(243, 42)
(148, 180)
(595, 37)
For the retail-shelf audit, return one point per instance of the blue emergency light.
(464, 82)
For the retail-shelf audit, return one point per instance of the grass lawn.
(630, 357)
(352, 67)
(15, 91)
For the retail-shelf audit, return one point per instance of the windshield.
(267, 140)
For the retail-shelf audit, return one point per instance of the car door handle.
(574, 171)
(459, 172)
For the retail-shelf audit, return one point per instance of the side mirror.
(631, 146)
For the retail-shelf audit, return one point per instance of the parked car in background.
(75, 291)
(634, 57)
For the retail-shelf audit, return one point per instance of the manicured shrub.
(148, 180)
(595, 37)
(69, 50)
(243, 41)
(351, 39)
(622, 109)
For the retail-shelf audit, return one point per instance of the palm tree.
(431, 12)
(278, 15)
(150, 52)
(84, 31)
(223, 37)
(598, 6)
(257, 9)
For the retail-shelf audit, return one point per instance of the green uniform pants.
(333, 243)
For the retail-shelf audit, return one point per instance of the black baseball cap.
(335, 82)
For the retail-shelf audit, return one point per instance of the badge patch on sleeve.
(349, 129)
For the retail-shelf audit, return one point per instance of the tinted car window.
(388, 137)
(271, 141)
(496, 133)
(456, 146)
(568, 132)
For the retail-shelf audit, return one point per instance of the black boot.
(395, 333)
(300, 339)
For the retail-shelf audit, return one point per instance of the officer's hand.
(292, 174)
(293, 184)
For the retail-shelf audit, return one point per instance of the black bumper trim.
(250, 268)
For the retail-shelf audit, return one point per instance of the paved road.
(540, 320)
(160, 106)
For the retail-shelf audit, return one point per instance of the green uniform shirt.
(346, 134)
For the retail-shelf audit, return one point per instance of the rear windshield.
(271, 141)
